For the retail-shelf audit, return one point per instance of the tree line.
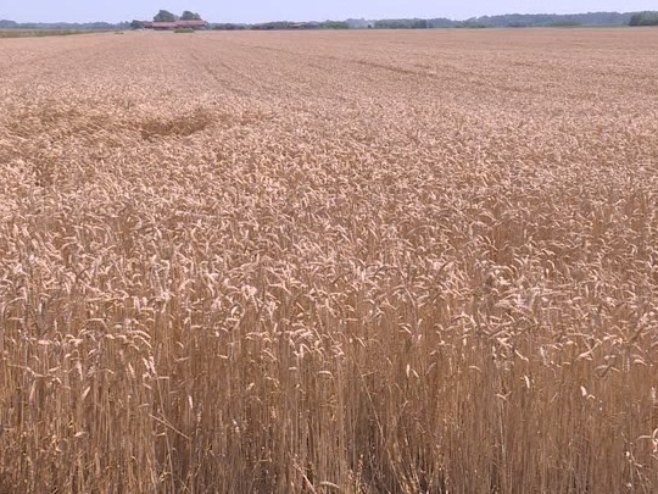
(644, 19)
(166, 16)
(509, 20)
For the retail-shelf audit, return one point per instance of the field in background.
(330, 262)
(38, 33)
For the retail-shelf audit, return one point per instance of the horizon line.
(345, 19)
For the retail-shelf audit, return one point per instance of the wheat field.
(322, 262)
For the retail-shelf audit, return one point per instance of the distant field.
(31, 33)
(356, 262)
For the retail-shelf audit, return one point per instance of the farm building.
(164, 26)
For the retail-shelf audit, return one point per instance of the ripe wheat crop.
(330, 262)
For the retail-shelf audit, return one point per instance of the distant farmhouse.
(165, 25)
(165, 21)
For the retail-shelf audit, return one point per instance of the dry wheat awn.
(330, 262)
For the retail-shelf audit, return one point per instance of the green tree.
(190, 16)
(136, 24)
(644, 19)
(164, 16)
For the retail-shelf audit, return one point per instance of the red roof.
(164, 25)
(175, 24)
(192, 23)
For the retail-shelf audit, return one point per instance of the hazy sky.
(263, 10)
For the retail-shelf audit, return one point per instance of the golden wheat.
(330, 262)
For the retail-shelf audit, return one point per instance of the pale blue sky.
(264, 10)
